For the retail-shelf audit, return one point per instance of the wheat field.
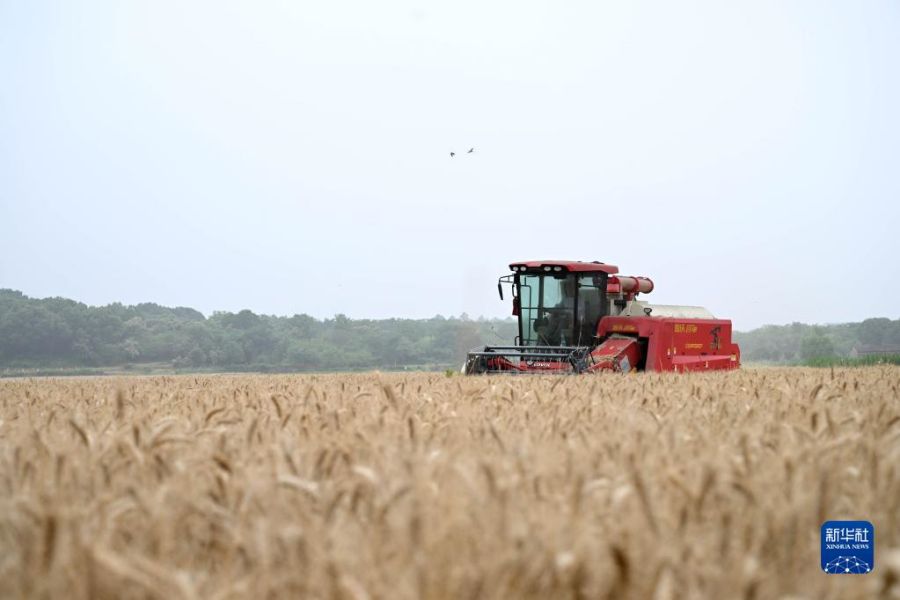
(427, 486)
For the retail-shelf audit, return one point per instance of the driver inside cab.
(555, 328)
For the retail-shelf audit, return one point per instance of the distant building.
(864, 350)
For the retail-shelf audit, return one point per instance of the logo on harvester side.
(848, 547)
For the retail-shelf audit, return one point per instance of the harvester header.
(577, 316)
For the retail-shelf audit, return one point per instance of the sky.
(294, 157)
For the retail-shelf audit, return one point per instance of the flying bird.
(452, 154)
(471, 150)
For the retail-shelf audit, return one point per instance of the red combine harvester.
(581, 317)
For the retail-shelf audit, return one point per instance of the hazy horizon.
(292, 158)
(462, 315)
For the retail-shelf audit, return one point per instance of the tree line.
(799, 342)
(62, 333)
(57, 332)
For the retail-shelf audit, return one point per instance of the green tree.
(816, 345)
(872, 332)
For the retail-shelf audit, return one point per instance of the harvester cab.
(576, 317)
